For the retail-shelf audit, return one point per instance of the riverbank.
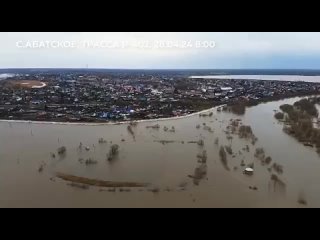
(112, 123)
(248, 104)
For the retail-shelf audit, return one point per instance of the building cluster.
(89, 97)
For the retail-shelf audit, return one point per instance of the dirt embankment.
(98, 183)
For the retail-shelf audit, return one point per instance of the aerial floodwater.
(176, 162)
(263, 77)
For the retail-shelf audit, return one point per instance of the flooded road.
(172, 170)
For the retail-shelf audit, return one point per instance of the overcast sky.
(232, 50)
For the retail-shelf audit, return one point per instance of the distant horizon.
(160, 50)
(209, 69)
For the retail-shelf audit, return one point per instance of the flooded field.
(169, 163)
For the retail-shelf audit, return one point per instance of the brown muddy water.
(172, 171)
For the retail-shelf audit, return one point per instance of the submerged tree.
(259, 153)
(239, 108)
(101, 140)
(286, 108)
(130, 130)
(62, 150)
(245, 131)
(308, 106)
(279, 115)
(223, 158)
(113, 152)
(200, 142)
(228, 149)
(203, 156)
(268, 160)
(277, 168)
(90, 161)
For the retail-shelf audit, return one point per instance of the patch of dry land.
(27, 84)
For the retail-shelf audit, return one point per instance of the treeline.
(299, 118)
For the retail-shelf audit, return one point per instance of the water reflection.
(276, 185)
(165, 165)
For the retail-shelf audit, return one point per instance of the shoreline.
(110, 123)
(146, 120)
